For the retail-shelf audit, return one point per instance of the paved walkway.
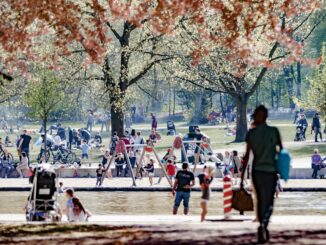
(153, 229)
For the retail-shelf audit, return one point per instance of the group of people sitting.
(6, 161)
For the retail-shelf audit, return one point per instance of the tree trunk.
(45, 136)
(117, 120)
(298, 81)
(170, 94)
(257, 97)
(174, 100)
(197, 113)
(242, 126)
(272, 94)
(278, 96)
(288, 71)
(221, 104)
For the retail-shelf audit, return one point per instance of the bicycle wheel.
(47, 156)
(2, 153)
(70, 157)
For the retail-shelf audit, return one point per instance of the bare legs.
(203, 206)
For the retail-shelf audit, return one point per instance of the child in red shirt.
(170, 169)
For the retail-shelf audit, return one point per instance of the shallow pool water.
(289, 203)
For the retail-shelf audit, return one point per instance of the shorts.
(84, 155)
(205, 194)
(151, 174)
(182, 195)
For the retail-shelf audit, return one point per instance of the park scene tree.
(155, 90)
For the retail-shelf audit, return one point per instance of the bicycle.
(2, 153)
(59, 154)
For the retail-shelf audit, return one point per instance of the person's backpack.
(283, 164)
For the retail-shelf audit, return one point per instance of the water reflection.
(161, 203)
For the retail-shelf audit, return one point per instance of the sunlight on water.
(161, 203)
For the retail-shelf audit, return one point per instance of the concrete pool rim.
(155, 189)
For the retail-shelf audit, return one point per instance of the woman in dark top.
(263, 141)
(150, 170)
(105, 158)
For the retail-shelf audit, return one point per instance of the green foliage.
(44, 95)
(316, 96)
(315, 43)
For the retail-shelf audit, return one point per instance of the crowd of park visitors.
(262, 140)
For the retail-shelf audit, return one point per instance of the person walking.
(104, 122)
(171, 169)
(113, 142)
(99, 174)
(316, 126)
(25, 143)
(70, 137)
(84, 134)
(183, 183)
(70, 194)
(23, 165)
(139, 168)
(303, 124)
(205, 179)
(90, 121)
(236, 163)
(105, 161)
(315, 163)
(85, 150)
(78, 212)
(105, 158)
(119, 162)
(154, 122)
(263, 141)
(150, 170)
(227, 162)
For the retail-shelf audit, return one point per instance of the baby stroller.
(42, 204)
(299, 135)
(171, 128)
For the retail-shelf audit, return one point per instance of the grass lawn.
(219, 139)
(307, 150)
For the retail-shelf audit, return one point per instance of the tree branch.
(146, 92)
(115, 33)
(264, 69)
(314, 27)
(145, 70)
(6, 76)
(199, 85)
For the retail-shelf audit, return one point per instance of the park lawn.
(219, 139)
(307, 150)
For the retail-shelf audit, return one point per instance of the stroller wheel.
(52, 217)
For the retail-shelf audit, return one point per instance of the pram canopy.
(45, 184)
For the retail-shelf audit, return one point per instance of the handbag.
(242, 200)
(284, 164)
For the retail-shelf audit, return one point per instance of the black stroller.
(171, 128)
(42, 204)
(299, 134)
